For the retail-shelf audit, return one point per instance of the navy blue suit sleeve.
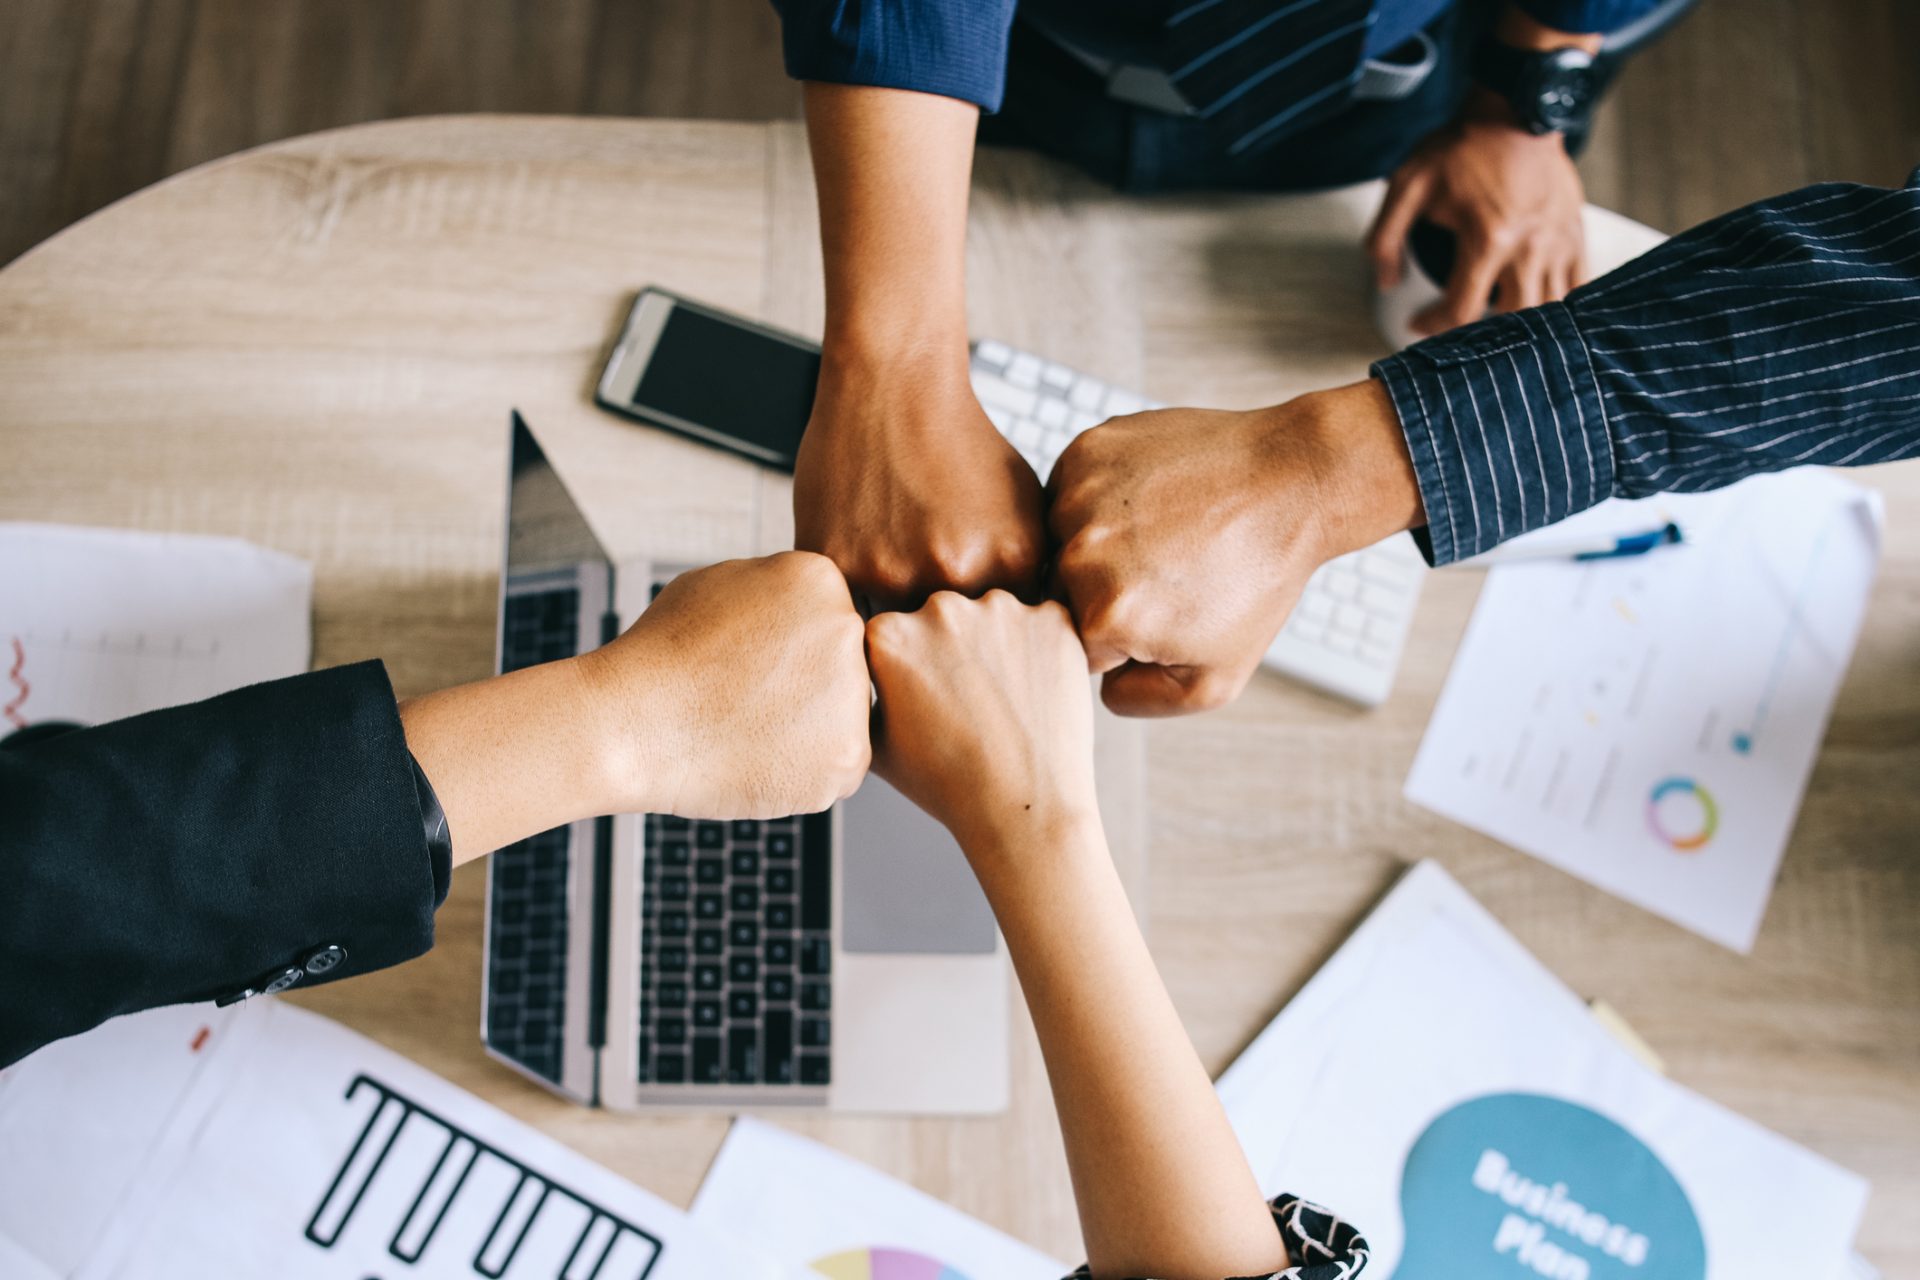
(1588, 17)
(954, 48)
(188, 853)
(1783, 334)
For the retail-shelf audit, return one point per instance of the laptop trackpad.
(908, 887)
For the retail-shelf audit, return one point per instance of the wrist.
(1366, 488)
(1059, 837)
(923, 368)
(621, 761)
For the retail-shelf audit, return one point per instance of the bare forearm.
(892, 168)
(1162, 1186)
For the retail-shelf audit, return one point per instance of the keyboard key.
(674, 924)
(814, 1069)
(779, 988)
(780, 915)
(670, 995)
(710, 906)
(1381, 599)
(814, 1033)
(994, 353)
(1052, 413)
(706, 977)
(1350, 617)
(1382, 630)
(780, 951)
(816, 885)
(676, 853)
(670, 1030)
(816, 997)
(1342, 584)
(745, 897)
(711, 871)
(776, 1066)
(746, 862)
(1342, 642)
(707, 942)
(1024, 370)
(1081, 422)
(1121, 403)
(781, 880)
(995, 394)
(1086, 395)
(743, 969)
(671, 825)
(706, 1060)
(710, 835)
(1316, 605)
(743, 933)
(745, 829)
(672, 960)
(706, 1013)
(670, 1068)
(1056, 375)
(780, 845)
(675, 888)
(816, 956)
(743, 1055)
(743, 1004)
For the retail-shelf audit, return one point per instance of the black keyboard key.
(743, 1004)
(780, 880)
(779, 988)
(707, 1068)
(777, 1048)
(743, 969)
(671, 825)
(743, 1055)
(670, 1068)
(707, 942)
(743, 933)
(816, 997)
(779, 950)
(746, 862)
(711, 871)
(814, 1033)
(672, 960)
(746, 829)
(706, 977)
(780, 915)
(676, 854)
(674, 924)
(706, 1013)
(816, 956)
(671, 995)
(745, 897)
(814, 1069)
(675, 888)
(710, 835)
(816, 883)
(670, 1031)
(710, 906)
(779, 845)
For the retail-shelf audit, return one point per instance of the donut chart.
(1682, 813)
(885, 1264)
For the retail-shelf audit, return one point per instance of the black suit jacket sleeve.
(193, 853)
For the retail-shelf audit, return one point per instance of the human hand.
(985, 717)
(1186, 535)
(903, 482)
(741, 692)
(1512, 200)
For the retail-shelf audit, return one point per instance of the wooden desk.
(315, 346)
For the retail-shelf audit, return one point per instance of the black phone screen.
(732, 380)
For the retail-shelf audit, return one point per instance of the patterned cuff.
(1319, 1245)
(1505, 425)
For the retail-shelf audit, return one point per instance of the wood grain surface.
(315, 345)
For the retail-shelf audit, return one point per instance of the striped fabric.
(1782, 334)
(1257, 70)
(1320, 1245)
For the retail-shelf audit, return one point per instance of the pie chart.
(885, 1264)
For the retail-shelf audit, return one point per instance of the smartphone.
(713, 377)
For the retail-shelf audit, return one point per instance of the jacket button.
(282, 980)
(327, 958)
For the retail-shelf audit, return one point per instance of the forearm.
(512, 756)
(1162, 1186)
(1779, 335)
(892, 169)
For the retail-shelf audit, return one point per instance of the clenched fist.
(741, 692)
(1186, 535)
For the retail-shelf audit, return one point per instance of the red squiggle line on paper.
(19, 699)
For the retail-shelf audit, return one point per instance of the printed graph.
(884, 1264)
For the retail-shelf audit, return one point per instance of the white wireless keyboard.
(1346, 634)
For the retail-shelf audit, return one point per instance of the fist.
(743, 691)
(985, 714)
(905, 484)
(1186, 536)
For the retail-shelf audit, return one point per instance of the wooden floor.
(102, 97)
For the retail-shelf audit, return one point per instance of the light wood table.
(315, 345)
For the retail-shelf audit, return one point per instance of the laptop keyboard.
(736, 967)
(1348, 632)
(527, 951)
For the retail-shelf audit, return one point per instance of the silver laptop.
(843, 959)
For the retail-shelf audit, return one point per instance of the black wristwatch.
(1550, 91)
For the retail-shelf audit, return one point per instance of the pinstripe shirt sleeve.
(1782, 334)
(955, 48)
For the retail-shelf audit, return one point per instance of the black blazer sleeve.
(202, 851)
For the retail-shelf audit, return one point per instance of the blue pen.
(1616, 548)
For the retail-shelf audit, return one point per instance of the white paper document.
(1437, 1086)
(1649, 724)
(97, 624)
(262, 1140)
(824, 1214)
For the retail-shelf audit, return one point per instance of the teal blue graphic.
(1517, 1185)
